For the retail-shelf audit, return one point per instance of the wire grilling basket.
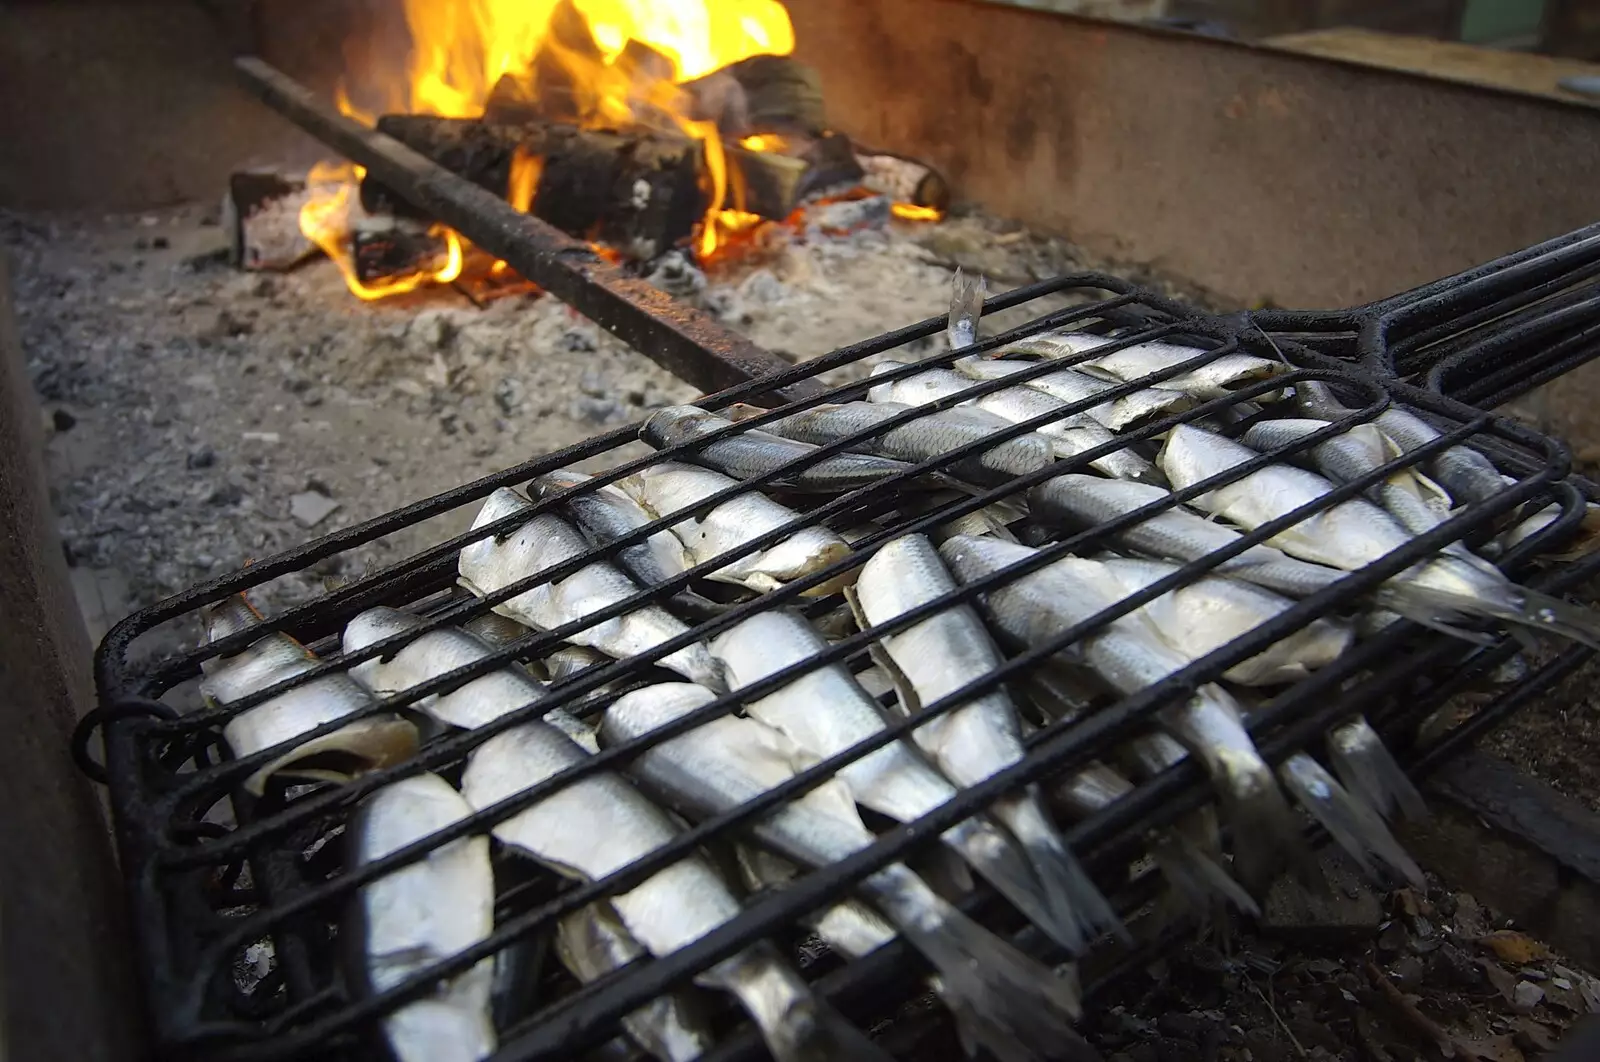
(1483, 336)
(247, 886)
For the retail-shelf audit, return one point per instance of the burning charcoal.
(676, 275)
(904, 180)
(261, 212)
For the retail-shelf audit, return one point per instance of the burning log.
(831, 161)
(261, 212)
(638, 191)
(762, 94)
(905, 180)
(764, 183)
(386, 249)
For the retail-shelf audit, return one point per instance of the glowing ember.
(912, 212)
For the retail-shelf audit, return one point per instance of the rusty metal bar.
(678, 337)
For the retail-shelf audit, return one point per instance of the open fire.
(642, 126)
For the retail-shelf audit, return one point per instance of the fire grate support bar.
(683, 340)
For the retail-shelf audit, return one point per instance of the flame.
(912, 212)
(765, 142)
(525, 171)
(325, 219)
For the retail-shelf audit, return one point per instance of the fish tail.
(1002, 1000)
(1068, 889)
(1358, 829)
(1368, 769)
(966, 306)
(695, 663)
(1266, 835)
(1196, 878)
(1529, 609)
(992, 853)
(796, 1024)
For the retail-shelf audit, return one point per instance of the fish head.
(676, 424)
(502, 503)
(552, 483)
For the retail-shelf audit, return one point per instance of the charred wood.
(261, 213)
(394, 248)
(905, 180)
(638, 191)
(831, 163)
(764, 183)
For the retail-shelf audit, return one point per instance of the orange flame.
(325, 219)
(462, 50)
(912, 212)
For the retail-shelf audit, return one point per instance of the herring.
(966, 306)
(668, 489)
(1009, 1001)
(598, 825)
(751, 452)
(1214, 378)
(825, 712)
(938, 656)
(1037, 607)
(423, 913)
(928, 436)
(605, 514)
(1070, 433)
(438, 652)
(1354, 533)
(540, 543)
(592, 942)
(365, 744)
(1069, 385)
(1209, 613)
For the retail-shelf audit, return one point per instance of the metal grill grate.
(214, 871)
(1482, 336)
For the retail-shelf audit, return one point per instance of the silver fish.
(595, 827)
(1069, 435)
(1036, 607)
(1367, 768)
(826, 712)
(605, 514)
(966, 306)
(496, 630)
(366, 744)
(937, 657)
(424, 913)
(1464, 472)
(1068, 385)
(669, 488)
(1355, 533)
(1078, 502)
(439, 652)
(592, 942)
(1211, 611)
(928, 436)
(1416, 502)
(1212, 379)
(1206, 615)
(752, 452)
(541, 543)
(730, 761)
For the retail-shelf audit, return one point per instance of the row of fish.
(609, 601)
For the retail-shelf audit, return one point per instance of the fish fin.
(1196, 878)
(1266, 835)
(796, 1024)
(966, 306)
(1368, 769)
(1533, 610)
(1431, 609)
(1358, 829)
(1002, 1000)
(1072, 895)
(993, 854)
